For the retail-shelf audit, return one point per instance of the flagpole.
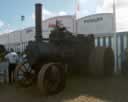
(76, 16)
(115, 36)
(21, 40)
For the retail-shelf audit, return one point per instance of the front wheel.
(24, 75)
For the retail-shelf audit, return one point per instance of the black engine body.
(62, 47)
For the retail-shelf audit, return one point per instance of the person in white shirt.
(12, 58)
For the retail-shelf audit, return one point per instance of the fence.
(108, 40)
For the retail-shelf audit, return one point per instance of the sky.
(121, 12)
(12, 10)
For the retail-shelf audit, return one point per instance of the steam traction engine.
(48, 59)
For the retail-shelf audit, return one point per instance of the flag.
(77, 8)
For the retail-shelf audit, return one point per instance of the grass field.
(78, 89)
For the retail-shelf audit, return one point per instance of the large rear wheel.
(101, 61)
(51, 78)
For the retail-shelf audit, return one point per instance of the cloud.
(81, 3)
(1, 23)
(81, 9)
(104, 6)
(61, 13)
(6, 31)
(5, 28)
(121, 12)
(86, 7)
(48, 14)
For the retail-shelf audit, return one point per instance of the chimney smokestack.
(38, 22)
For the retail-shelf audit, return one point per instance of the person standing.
(12, 58)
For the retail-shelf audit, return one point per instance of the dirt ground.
(78, 89)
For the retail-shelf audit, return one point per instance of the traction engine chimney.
(38, 22)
